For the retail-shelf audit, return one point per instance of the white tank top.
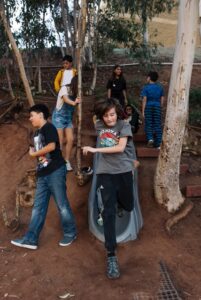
(67, 77)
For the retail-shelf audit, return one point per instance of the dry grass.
(166, 33)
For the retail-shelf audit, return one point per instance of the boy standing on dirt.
(51, 180)
(153, 97)
(114, 171)
(63, 114)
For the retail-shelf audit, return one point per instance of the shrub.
(195, 107)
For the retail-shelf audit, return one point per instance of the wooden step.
(147, 152)
(139, 138)
(193, 191)
(184, 169)
(153, 152)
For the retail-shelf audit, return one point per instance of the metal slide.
(127, 226)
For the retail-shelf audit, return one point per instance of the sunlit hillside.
(165, 27)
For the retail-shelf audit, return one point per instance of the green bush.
(195, 118)
(195, 97)
(195, 107)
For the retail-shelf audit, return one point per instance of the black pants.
(115, 188)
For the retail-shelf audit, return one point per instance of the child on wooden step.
(62, 118)
(153, 98)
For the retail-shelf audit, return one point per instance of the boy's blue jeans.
(53, 184)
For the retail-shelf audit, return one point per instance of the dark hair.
(103, 106)
(41, 108)
(68, 58)
(129, 105)
(153, 76)
(74, 86)
(113, 72)
(134, 122)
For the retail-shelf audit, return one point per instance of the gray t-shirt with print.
(114, 163)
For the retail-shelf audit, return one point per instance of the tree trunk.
(166, 184)
(39, 73)
(65, 23)
(145, 34)
(94, 39)
(200, 16)
(39, 81)
(70, 26)
(9, 83)
(58, 34)
(75, 37)
(144, 23)
(18, 56)
(81, 37)
(93, 84)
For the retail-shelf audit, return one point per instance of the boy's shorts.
(63, 118)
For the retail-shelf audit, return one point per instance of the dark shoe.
(150, 144)
(67, 240)
(112, 267)
(120, 212)
(24, 243)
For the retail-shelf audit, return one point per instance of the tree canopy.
(46, 23)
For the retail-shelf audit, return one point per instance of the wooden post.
(81, 38)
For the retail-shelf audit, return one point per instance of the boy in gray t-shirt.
(115, 164)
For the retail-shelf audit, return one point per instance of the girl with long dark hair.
(116, 86)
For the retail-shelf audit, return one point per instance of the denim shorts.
(63, 118)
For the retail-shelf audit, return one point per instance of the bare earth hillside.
(79, 269)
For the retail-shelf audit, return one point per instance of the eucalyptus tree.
(55, 9)
(143, 11)
(68, 26)
(5, 22)
(92, 39)
(4, 59)
(149, 8)
(35, 32)
(167, 191)
(64, 13)
(4, 42)
(5, 52)
(79, 53)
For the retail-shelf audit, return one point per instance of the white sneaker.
(100, 220)
(68, 166)
(150, 144)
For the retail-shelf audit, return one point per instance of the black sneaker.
(24, 243)
(112, 267)
(120, 212)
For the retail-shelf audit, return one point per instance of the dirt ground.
(79, 269)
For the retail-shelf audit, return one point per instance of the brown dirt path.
(80, 268)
